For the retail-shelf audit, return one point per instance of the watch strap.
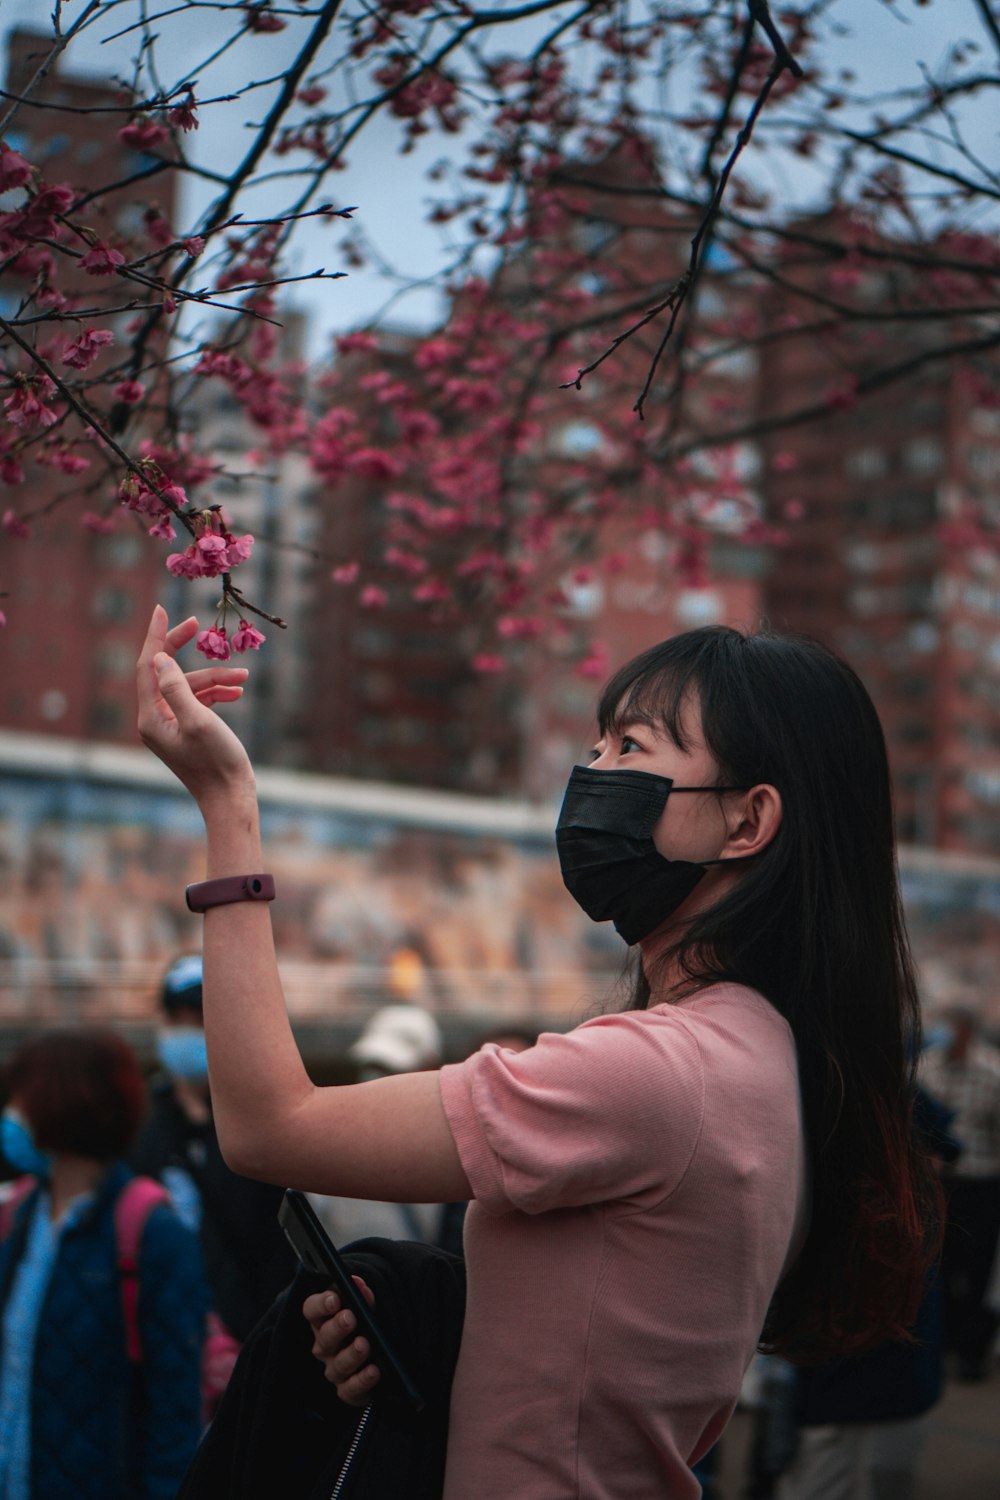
(229, 889)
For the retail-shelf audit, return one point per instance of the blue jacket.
(102, 1429)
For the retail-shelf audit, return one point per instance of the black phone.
(318, 1254)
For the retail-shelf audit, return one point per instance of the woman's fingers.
(342, 1351)
(179, 635)
(201, 677)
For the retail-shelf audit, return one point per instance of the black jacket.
(281, 1429)
(247, 1259)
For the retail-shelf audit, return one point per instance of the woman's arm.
(384, 1140)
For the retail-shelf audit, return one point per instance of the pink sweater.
(639, 1185)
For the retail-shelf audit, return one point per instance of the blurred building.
(882, 567)
(76, 600)
(406, 702)
(390, 694)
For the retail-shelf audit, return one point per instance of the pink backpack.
(136, 1202)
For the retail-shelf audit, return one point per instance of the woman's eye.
(629, 744)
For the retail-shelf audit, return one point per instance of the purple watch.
(228, 889)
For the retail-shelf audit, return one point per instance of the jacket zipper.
(352, 1450)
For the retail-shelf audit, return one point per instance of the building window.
(923, 455)
(112, 604)
(106, 716)
(866, 463)
(53, 705)
(984, 462)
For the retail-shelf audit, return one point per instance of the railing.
(34, 991)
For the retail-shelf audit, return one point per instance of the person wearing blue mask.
(247, 1260)
(71, 1387)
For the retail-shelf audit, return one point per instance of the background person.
(76, 1416)
(400, 1038)
(247, 1259)
(862, 1422)
(645, 1182)
(963, 1072)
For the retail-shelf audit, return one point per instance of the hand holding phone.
(317, 1254)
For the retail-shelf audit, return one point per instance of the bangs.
(651, 690)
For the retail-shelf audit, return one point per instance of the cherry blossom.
(84, 350)
(247, 638)
(213, 644)
(101, 260)
(14, 526)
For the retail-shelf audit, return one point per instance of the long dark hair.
(816, 926)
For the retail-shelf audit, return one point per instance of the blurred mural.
(456, 901)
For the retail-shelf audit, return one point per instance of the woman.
(78, 1416)
(643, 1184)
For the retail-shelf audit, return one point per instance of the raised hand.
(176, 720)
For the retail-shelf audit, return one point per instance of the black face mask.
(609, 862)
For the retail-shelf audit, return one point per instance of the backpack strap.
(136, 1202)
(15, 1194)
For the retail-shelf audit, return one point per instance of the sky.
(884, 45)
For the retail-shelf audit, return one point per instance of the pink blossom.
(14, 170)
(248, 638)
(157, 228)
(406, 562)
(102, 260)
(100, 525)
(519, 628)
(373, 597)
(431, 592)
(129, 391)
(3, 619)
(594, 666)
(86, 348)
(213, 644)
(143, 133)
(162, 529)
(793, 510)
(261, 18)
(346, 572)
(11, 470)
(352, 343)
(784, 462)
(239, 549)
(183, 117)
(419, 427)
(187, 564)
(373, 463)
(314, 94)
(14, 526)
(434, 352)
(65, 461)
(137, 497)
(25, 408)
(210, 546)
(53, 198)
(485, 663)
(194, 245)
(843, 396)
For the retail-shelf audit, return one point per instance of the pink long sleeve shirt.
(639, 1186)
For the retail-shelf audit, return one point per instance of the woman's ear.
(754, 824)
